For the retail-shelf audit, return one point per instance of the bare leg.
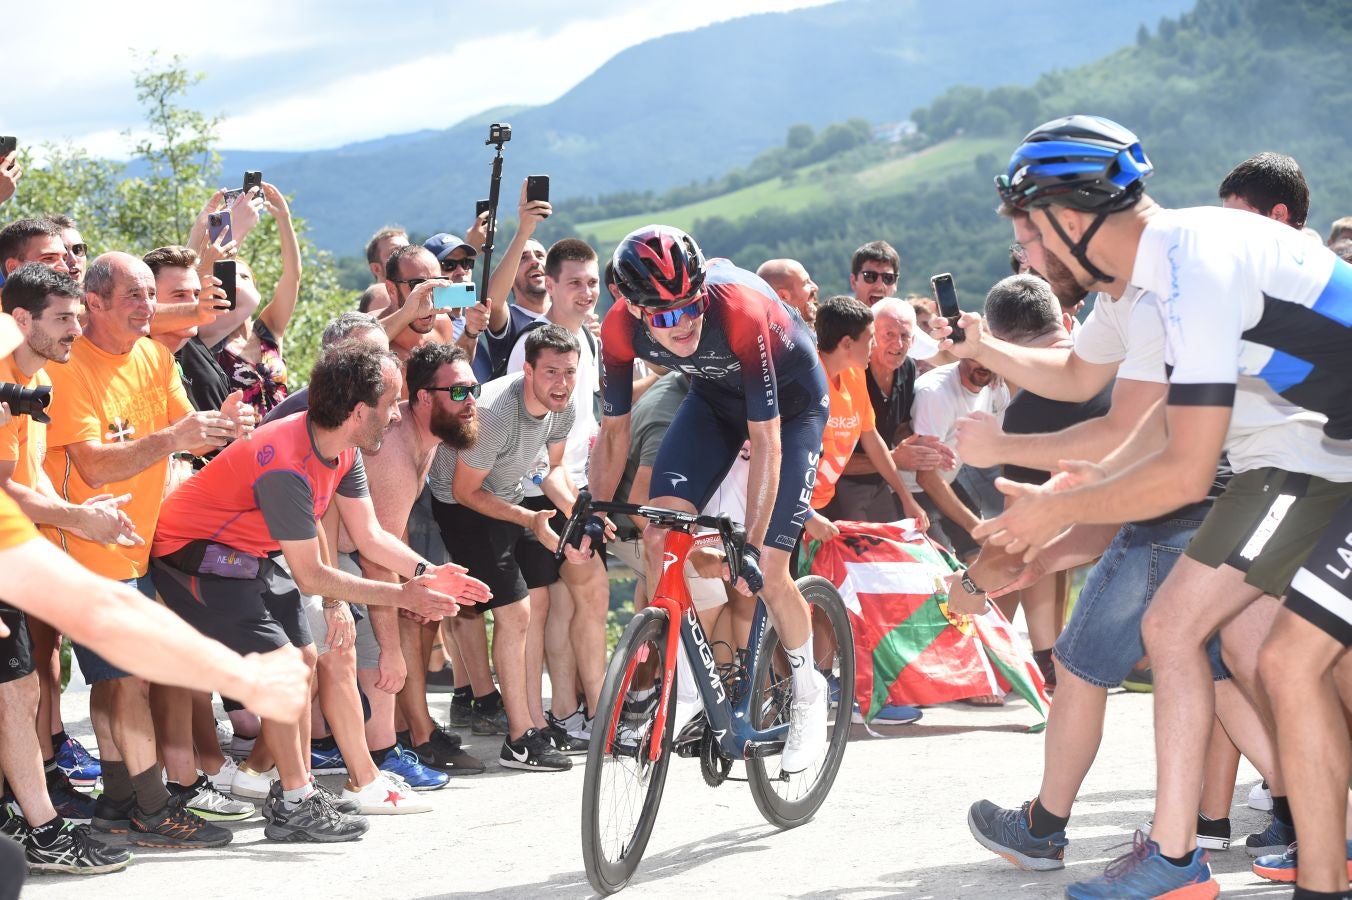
(1241, 639)
(541, 612)
(336, 670)
(510, 623)
(20, 756)
(133, 730)
(209, 755)
(551, 629)
(171, 712)
(471, 636)
(380, 727)
(1191, 604)
(288, 742)
(47, 662)
(590, 590)
(1074, 732)
(1039, 610)
(1222, 767)
(453, 655)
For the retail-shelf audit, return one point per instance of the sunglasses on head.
(672, 317)
(889, 278)
(460, 392)
(450, 265)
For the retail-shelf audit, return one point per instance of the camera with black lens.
(499, 134)
(24, 401)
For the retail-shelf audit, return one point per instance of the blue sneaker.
(326, 762)
(1005, 833)
(405, 764)
(81, 768)
(1273, 839)
(1281, 867)
(1143, 874)
(897, 715)
(68, 802)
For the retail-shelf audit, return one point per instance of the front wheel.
(788, 801)
(623, 786)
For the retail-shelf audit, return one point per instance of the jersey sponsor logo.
(266, 455)
(782, 335)
(804, 508)
(844, 423)
(1346, 556)
(766, 379)
(709, 371)
(677, 479)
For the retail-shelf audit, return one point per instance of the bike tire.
(612, 850)
(788, 804)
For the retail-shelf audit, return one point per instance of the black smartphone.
(253, 180)
(8, 144)
(946, 295)
(226, 273)
(480, 207)
(537, 188)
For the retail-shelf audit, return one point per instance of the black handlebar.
(732, 533)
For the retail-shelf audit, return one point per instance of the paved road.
(895, 826)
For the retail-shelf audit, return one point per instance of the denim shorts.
(95, 668)
(1102, 641)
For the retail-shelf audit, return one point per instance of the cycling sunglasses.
(889, 278)
(460, 392)
(672, 317)
(450, 265)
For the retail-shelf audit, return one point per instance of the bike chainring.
(713, 765)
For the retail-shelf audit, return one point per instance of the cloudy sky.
(303, 74)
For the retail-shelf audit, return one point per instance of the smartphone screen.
(480, 207)
(946, 295)
(537, 188)
(454, 296)
(218, 223)
(8, 145)
(225, 272)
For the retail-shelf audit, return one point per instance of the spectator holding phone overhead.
(521, 274)
(10, 170)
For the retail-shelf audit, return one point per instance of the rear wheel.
(788, 801)
(623, 786)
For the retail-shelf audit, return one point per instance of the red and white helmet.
(658, 267)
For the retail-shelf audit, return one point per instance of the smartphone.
(480, 207)
(537, 188)
(218, 223)
(455, 296)
(946, 295)
(8, 144)
(226, 273)
(253, 180)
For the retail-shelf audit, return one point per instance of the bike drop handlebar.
(732, 533)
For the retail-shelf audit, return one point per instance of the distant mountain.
(692, 105)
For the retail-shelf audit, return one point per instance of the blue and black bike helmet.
(1086, 163)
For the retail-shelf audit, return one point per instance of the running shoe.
(406, 765)
(898, 714)
(252, 785)
(1260, 797)
(462, 710)
(443, 752)
(327, 762)
(73, 852)
(68, 802)
(562, 736)
(1140, 680)
(533, 752)
(313, 819)
(82, 769)
(807, 727)
(174, 828)
(113, 818)
(387, 795)
(1144, 873)
(1273, 839)
(346, 807)
(1281, 867)
(1212, 834)
(442, 681)
(488, 717)
(224, 780)
(202, 798)
(1005, 833)
(11, 822)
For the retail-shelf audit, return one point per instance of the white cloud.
(89, 99)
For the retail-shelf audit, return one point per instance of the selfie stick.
(497, 136)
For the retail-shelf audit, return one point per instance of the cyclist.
(1259, 361)
(754, 373)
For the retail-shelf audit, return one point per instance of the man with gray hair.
(861, 493)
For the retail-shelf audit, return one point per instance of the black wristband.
(752, 551)
(419, 569)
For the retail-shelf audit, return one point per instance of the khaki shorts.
(1266, 523)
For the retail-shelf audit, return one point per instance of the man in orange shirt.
(120, 413)
(844, 340)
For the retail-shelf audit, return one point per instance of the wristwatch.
(419, 569)
(330, 603)
(969, 585)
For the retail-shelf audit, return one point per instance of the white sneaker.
(807, 727)
(252, 785)
(387, 795)
(224, 780)
(1260, 797)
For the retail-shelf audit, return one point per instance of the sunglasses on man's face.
(79, 249)
(450, 265)
(889, 278)
(411, 282)
(460, 392)
(672, 317)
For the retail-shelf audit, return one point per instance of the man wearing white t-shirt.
(568, 618)
(942, 397)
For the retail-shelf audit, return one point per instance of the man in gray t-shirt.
(477, 498)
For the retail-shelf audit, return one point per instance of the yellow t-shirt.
(24, 440)
(15, 527)
(851, 414)
(111, 398)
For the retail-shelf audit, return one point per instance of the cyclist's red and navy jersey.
(1250, 302)
(754, 350)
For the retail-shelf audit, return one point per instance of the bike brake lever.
(734, 543)
(581, 508)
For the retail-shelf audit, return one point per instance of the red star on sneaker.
(392, 798)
